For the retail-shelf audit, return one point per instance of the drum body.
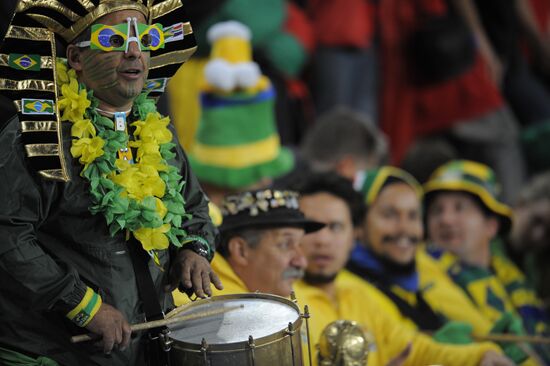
(261, 329)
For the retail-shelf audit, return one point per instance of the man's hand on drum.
(110, 324)
(193, 272)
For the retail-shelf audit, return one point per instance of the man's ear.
(493, 225)
(238, 250)
(74, 57)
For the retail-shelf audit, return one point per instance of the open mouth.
(131, 73)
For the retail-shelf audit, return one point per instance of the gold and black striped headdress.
(39, 32)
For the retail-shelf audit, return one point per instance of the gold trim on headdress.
(176, 57)
(69, 34)
(42, 150)
(187, 28)
(38, 126)
(39, 85)
(63, 174)
(31, 33)
(54, 174)
(164, 8)
(48, 4)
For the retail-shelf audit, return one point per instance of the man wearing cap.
(260, 239)
(463, 216)
(259, 247)
(100, 214)
(333, 293)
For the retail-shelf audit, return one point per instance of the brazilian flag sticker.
(37, 106)
(26, 62)
(155, 85)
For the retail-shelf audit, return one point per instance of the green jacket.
(52, 247)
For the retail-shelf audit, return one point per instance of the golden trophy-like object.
(343, 343)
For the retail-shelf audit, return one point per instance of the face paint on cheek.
(132, 89)
(101, 69)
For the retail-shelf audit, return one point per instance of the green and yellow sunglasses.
(109, 38)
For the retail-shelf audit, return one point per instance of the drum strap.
(154, 352)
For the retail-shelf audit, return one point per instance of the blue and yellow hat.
(474, 178)
(237, 143)
(371, 182)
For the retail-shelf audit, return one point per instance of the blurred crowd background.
(364, 83)
(441, 79)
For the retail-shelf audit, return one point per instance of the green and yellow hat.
(474, 178)
(237, 143)
(371, 182)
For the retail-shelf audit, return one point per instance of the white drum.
(260, 329)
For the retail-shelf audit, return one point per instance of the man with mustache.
(259, 247)
(388, 256)
(463, 216)
(333, 293)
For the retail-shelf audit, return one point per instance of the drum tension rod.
(293, 297)
(165, 340)
(204, 348)
(252, 345)
(306, 316)
(290, 331)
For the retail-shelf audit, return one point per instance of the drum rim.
(237, 346)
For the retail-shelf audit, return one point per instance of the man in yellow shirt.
(333, 293)
(463, 216)
(259, 248)
(390, 257)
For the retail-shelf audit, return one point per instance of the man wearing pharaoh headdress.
(100, 216)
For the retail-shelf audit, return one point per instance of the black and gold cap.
(39, 32)
(265, 208)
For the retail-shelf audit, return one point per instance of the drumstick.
(177, 310)
(512, 338)
(507, 338)
(162, 322)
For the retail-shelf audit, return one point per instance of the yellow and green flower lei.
(143, 198)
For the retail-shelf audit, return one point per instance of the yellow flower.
(83, 128)
(153, 129)
(62, 77)
(74, 103)
(215, 214)
(140, 181)
(153, 238)
(161, 209)
(128, 179)
(154, 161)
(153, 185)
(64, 73)
(145, 148)
(88, 149)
